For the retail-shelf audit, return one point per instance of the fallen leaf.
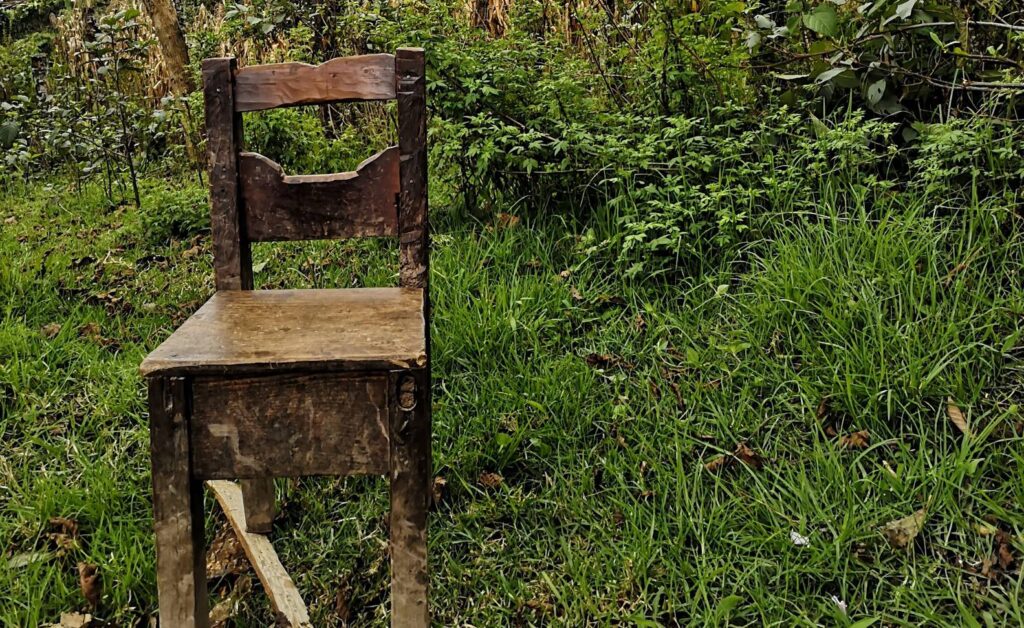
(1004, 551)
(90, 330)
(856, 440)
(748, 456)
(225, 609)
(565, 274)
(192, 252)
(575, 294)
(639, 322)
(717, 463)
(743, 453)
(957, 417)
(225, 557)
(901, 532)
(438, 489)
(64, 534)
(50, 330)
(341, 607)
(73, 620)
(507, 220)
(798, 539)
(491, 480)
(90, 583)
(10, 220)
(822, 410)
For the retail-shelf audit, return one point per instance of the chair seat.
(253, 331)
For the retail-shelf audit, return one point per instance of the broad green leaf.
(875, 91)
(822, 20)
(828, 75)
(904, 9)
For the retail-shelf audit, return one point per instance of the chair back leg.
(258, 503)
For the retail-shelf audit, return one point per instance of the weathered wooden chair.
(260, 384)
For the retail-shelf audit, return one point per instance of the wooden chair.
(260, 384)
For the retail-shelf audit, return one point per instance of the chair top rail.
(344, 79)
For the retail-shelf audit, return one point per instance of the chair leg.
(177, 509)
(410, 484)
(258, 504)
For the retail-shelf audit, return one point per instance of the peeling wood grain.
(279, 207)
(365, 77)
(290, 425)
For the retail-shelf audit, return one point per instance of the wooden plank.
(279, 207)
(255, 331)
(284, 596)
(410, 496)
(258, 500)
(290, 425)
(413, 228)
(177, 509)
(364, 77)
(231, 252)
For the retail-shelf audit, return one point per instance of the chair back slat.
(253, 200)
(345, 79)
(282, 208)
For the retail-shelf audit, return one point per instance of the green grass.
(598, 400)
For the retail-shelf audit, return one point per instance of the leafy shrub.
(174, 214)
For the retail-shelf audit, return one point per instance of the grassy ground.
(576, 416)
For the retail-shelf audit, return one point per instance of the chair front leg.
(177, 509)
(410, 495)
(258, 504)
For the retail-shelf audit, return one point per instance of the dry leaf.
(10, 220)
(64, 534)
(90, 331)
(639, 322)
(438, 488)
(225, 556)
(192, 252)
(856, 440)
(822, 410)
(89, 582)
(73, 620)
(491, 480)
(743, 453)
(224, 610)
(50, 330)
(748, 456)
(507, 220)
(957, 417)
(341, 608)
(901, 532)
(1004, 552)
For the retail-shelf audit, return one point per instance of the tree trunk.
(172, 44)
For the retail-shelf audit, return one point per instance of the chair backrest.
(252, 200)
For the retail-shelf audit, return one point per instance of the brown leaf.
(823, 409)
(64, 534)
(90, 331)
(73, 620)
(226, 557)
(600, 360)
(491, 480)
(90, 583)
(639, 322)
(438, 489)
(901, 532)
(50, 329)
(507, 220)
(717, 463)
(1004, 551)
(192, 252)
(856, 440)
(224, 610)
(10, 220)
(575, 294)
(341, 608)
(957, 417)
(748, 456)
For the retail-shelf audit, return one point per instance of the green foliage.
(169, 214)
